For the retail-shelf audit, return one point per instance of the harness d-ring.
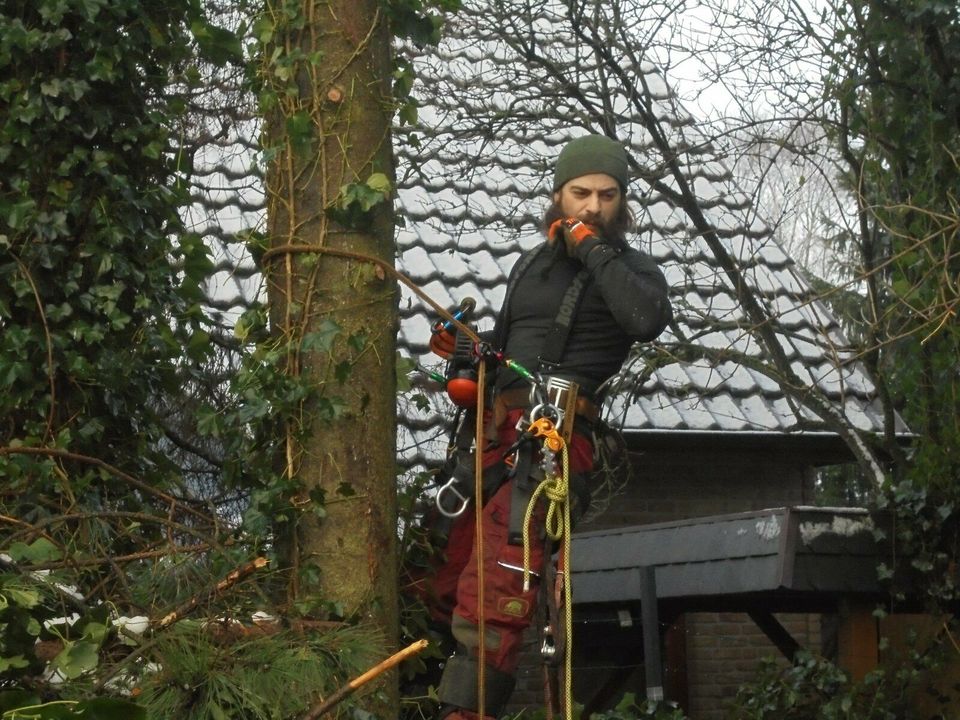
(546, 410)
(451, 487)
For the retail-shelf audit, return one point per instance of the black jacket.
(624, 301)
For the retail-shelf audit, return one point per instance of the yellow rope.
(557, 524)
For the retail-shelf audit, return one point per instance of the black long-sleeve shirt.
(625, 300)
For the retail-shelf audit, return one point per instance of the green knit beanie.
(592, 154)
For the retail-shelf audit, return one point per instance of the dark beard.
(614, 232)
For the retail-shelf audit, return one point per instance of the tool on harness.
(457, 473)
(548, 650)
(467, 306)
(560, 405)
(443, 333)
(462, 373)
(454, 495)
(456, 478)
(552, 420)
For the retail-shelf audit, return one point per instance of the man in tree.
(572, 310)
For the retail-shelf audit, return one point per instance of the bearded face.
(595, 199)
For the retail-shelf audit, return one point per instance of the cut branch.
(229, 581)
(326, 705)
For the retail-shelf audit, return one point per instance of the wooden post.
(675, 662)
(858, 650)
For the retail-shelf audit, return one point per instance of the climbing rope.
(478, 542)
(556, 488)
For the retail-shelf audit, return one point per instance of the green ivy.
(815, 689)
(101, 326)
(94, 314)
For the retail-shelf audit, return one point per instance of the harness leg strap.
(458, 686)
(526, 477)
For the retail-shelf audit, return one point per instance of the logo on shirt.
(514, 606)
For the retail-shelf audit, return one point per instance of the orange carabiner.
(545, 428)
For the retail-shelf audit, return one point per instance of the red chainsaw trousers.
(507, 609)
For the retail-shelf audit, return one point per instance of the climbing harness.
(540, 469)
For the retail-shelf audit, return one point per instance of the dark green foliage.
(101, 331)
(896, 91)
(137, 446)
(815, 689)
(925, 542)
(94, 315)
(212, 672)
(895, 85)
(97, 301)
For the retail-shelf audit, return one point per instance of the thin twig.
(140, 484)
(230, 580)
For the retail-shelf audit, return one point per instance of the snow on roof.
(474, 187)
(473, 177)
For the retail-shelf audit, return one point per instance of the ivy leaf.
(77, 658)
(322, 339)
(17, 662)
(18, 213)
(95, 632)
(358, 341)
(264, 28)
(356, 200)
(300, 133)
(218, 45)
(33, 627)
(22, 597)
(342, 371)
(208, 422)
(378, 182)
(40, 550)
(408, 114)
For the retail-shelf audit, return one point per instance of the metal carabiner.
(451, 486)
(546, 410)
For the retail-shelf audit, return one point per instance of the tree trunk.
(328, 127)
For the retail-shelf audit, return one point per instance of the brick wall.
(722, 649)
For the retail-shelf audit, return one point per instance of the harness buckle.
(548, 650)
(560, 405)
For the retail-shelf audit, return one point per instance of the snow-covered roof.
(505, 89)
(474, 185)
